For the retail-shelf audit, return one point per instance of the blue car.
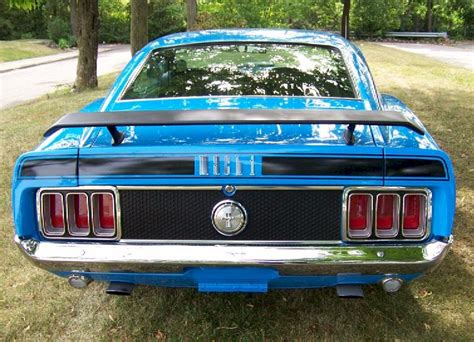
(238, 161)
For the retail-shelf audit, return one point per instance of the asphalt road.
(461, 55)
(25, 84)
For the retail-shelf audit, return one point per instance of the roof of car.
(261, 35)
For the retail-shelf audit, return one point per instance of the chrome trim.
(235, 242)
(203, 166)
(420, 231)
(363, 233)
(238, 166)
(216, 165)
(96, 229)
(296, 260)
(70, 227)
(252, 165)
(109, 189)
(167, 187)
(392, 232)
(218, 187)
(227, 165)
(387, 189)
(40, 215)
(242, 225)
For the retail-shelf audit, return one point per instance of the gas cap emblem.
(229, 217)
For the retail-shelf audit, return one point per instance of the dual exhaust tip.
(389, 284)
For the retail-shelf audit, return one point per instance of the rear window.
(243, 69)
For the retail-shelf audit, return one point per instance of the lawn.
(38, 306)
(12, 50)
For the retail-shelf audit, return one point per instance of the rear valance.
(233, 117)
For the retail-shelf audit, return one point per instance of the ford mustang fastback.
(238, 161)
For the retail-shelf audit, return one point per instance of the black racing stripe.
(399, 167)
(136, 166)
(312, 166)
(49, 167)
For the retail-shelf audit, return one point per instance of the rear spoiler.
(234, 117)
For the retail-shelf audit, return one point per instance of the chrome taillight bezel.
(416, 233)
(89, 190)
(367, 232)
(98, 230)
(394, 231)
(41, 218)
(70, 217)
(375, 190)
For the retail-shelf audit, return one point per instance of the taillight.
(78, 214)
(386, 215)
(390, 214)
(53, 214)
(414, 215)
(104, 214)
(360, 215)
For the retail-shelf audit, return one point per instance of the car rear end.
(238, 206)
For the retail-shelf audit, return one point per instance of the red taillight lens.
(78, 214)
(56, 210)
(53, 222)
(106, 211)
(360, 209)
(387, 213)
(414, 215)
(81, 211)
(104, 214)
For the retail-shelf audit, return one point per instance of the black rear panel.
(273, 215)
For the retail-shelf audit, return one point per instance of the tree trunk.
(88, 44)
(138, 25)
(191, 14)
(429, 16)
(345, 19)
(73, 17)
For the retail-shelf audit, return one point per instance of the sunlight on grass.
(12, 50)
(39, 306)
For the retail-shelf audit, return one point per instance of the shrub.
(57, 29)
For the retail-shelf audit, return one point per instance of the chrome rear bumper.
(288, 260)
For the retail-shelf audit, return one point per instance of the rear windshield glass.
(243, 69)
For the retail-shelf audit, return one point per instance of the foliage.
(165, 17)
(377, 16)
(114, 21)
(35, 17)
(58, 30)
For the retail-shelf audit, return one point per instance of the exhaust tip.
(120, 289)
(392, 285)
(79, 281)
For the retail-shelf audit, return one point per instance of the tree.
(88, 44)
(191, 14)
(73, 17)
(429, 16)
(345, 19)
(138, 25)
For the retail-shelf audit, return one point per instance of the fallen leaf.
(160, 335)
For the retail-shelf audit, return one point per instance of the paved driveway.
(17, 86)
(460, 55)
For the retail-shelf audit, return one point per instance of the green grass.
(38, 306)
(12, 50)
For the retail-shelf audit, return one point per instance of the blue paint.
(242, 140)
(236, 279)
